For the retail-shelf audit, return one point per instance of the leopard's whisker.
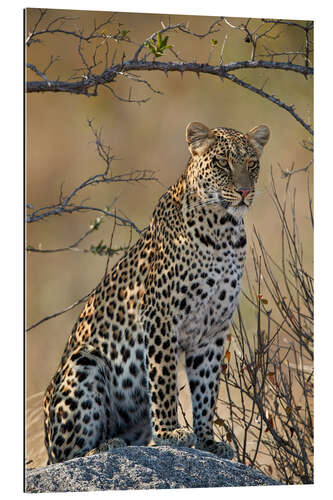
(202, 203)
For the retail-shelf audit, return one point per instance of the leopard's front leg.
(162, 359)
(203, 368)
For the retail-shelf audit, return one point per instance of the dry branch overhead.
(258, 34)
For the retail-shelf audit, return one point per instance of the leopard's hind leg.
(85, 408)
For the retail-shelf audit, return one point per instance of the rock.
(139, 467)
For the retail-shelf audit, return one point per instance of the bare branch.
(54, 315)
(66, 205)
(109, 75)
(73, 246)
(273, 99)
(222, 71)
(291, 171)
(39, 73)
(87, 81)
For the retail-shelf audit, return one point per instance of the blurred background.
(61, 154)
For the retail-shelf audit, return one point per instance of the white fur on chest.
(211, 311)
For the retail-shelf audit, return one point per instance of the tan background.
(60, 149)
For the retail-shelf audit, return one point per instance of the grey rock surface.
(136, 467)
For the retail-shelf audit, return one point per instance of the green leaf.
(158, 48)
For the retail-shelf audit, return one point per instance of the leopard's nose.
(243, 192)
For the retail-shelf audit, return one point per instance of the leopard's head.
(224, 165)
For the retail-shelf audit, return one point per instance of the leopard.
(174, 292)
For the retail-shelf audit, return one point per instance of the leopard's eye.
(252, 164)
(223, 163)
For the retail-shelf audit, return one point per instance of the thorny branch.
(86, 81)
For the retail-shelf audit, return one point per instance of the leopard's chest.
(212, 295)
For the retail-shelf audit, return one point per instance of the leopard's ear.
(258, 138)
(199, 137)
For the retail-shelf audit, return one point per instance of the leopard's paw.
(219, 448)
(107, 446)
(177, 437)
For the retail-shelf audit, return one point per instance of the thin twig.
(54, 315)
